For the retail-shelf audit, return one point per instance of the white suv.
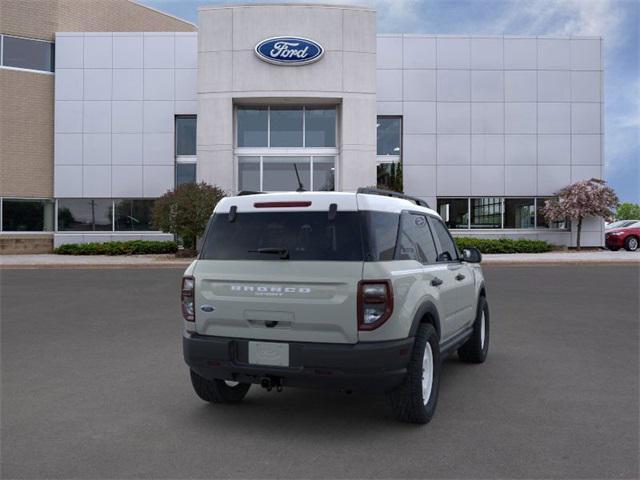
(355, 291)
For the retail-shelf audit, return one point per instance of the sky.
(617, 21)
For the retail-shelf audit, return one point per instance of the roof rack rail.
(389, 193)
(248, 192)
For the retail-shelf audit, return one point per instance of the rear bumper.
(370, 367)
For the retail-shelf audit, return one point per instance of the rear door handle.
(460, 277)
(436, 282)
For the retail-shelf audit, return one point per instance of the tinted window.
(27, 215)
(305, 236)
(519, 213)
(185, 173)
(85, 215)
(186, 135)
(320, 127)
(253, 127)
(381, 233)
(25, 53)
(486, 212)
(389, 133)
(448, 251)
(133, 215)
(415, 241)
(454, 212)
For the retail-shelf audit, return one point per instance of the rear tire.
(415, 400)
(218, 391)
(631, 243)
(476, 348)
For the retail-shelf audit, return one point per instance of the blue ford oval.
(289, 50)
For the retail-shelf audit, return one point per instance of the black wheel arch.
(427, 313)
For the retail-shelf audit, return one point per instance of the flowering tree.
(185, 211)
(586, 198)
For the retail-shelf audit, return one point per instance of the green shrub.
(504, 245)
(131, 247)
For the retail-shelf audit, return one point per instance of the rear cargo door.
(278, 300)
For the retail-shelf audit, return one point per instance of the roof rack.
(389, 193)
(248, 192)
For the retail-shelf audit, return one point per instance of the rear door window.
(303, 235)
(415, 241)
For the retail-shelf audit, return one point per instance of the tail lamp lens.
(375, 303)
(187, 299)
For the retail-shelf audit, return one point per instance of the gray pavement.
(93, 386)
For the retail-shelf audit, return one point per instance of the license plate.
(269, 353)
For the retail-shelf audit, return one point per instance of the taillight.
(375, 303)
(187, 299)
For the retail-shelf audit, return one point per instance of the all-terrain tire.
(631, 243)
(217, 391)
(476, 348)
(407, 401)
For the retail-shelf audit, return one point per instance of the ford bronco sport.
(354, 291)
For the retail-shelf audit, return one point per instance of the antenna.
(300, 185)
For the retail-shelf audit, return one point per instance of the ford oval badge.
(289, 51)
(207, 308)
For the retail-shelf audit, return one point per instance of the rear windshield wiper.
(283, 252)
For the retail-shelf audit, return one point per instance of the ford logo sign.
(289, 51)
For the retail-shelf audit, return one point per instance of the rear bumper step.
(370, 367)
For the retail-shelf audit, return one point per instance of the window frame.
(261, 162)
(389, 159)
(183, 159)
(22, 69)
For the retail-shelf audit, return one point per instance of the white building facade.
(483, 128)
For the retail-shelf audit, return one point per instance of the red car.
(627, 237)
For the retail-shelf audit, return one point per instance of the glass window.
(304, 235)
(253, 124)
(185, 173)
(320, 127)
(389, 176)
(249, 174)
(486, 212)
(133, 215)
(26, 53)
(26, 215)
(84, 214)
(415, 241)
(381, 235)
(454, 212)
(542, 222)
(286, 173)
(186, 135)
(519, 213)
(324, 169)
(389, 132)
(285, 125)
(448, 250)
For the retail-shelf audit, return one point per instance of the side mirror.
(471, 255)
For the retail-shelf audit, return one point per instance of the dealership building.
(107, 105)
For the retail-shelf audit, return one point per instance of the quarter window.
(415, 241)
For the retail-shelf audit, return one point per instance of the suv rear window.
(303, 235)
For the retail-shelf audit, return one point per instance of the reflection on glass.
(185, 173)
(252, 126)
(286, 126)
(542, 222)
(324, 174)
(320, 127)
(486, 212)
(279, 173)
(249, 174)
(133, 215)
(454, 212)
(389, 176)
(27, 215)
(186, 135)
(389, 132)
(26, 53)
(519, 213)
(83, 214)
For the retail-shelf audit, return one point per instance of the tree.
(586, 198)
(186, 210)
(628, 211)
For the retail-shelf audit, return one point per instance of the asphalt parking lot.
(93, 386)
